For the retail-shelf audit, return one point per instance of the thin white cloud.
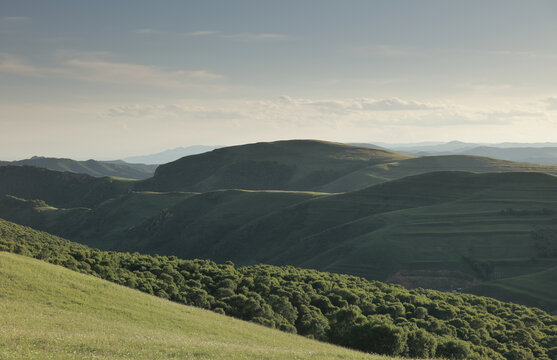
(14, 18)
(395, 104)
(255, 36)
(174, 111)
(94, 67)
(514, 53)
(360, 105)
(291, 113)
(10, 63)
(149, 31)
(512, 114)
(395, 51)
(247, 36)
(202, 33)
(403, 51)
(204, 74)
(483, 87)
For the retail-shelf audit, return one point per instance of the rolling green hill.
(60, 189)
(95, 168)
(340, 309)
(112, 224)
(442, 230)
(310, 165)
(49, 312)
(438, 230)
(379, 173)
(280, 165)
(534, 289)
(105, 223)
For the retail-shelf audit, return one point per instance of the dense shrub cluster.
(345, 310)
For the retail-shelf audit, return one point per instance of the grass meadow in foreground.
(49, 312)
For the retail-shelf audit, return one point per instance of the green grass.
(48, 312)
(105, 223)
(387, 171)
(532, 289)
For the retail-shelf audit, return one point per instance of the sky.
(110, 79)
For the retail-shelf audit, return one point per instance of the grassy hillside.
(125, 221)
(379, 173)
(310, 165)
(59, 189)
(341, 309)
(281, 165)
(51, 312)
(439, 230)
(95, 168)
(535, 289)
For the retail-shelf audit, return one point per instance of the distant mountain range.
(535, 153)
(95, 168)
(171, 155)
(454, 145)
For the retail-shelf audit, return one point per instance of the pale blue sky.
(109, 79)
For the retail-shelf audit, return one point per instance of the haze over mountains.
(536, 153)
(95, 168)
(166, 156)
(143, 167)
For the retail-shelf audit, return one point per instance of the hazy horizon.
(109, 80)
(396, 147)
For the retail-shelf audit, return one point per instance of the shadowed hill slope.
(439, 230)
(60, 189)
(281, 165)
(379, 173)
(120, 222)
(533, 289)
(95, 168)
